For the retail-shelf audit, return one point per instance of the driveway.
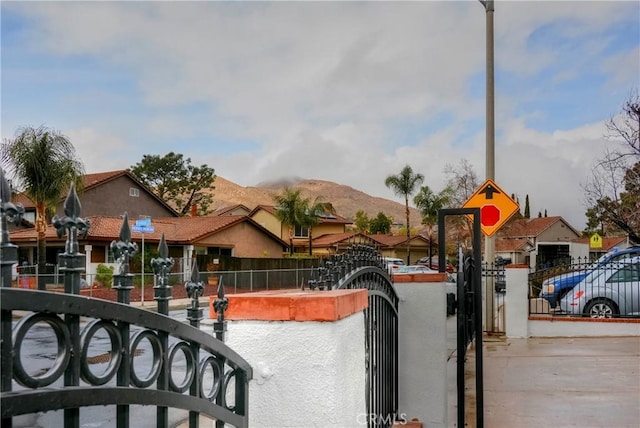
(556, 382)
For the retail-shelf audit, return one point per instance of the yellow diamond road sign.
(496, 207)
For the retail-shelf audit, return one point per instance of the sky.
(349, 92)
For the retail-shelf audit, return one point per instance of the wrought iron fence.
(97, 344)
(362, 267)
(586, 288)
(494, 274)
(234, 281)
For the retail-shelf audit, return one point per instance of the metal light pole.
(489, 242)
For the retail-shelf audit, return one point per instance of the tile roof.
(608, 242)
(225, 210)
(530, 227)
(177, 230)
(271, 209)
(22, 199)
(268, 208)
(395, 240)
(96, 179)
(507, 245)
(388, 240)
(334, 238)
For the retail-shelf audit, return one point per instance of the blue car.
(556, 287)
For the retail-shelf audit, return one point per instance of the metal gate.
(210, 379)
(362, 267)
(469, 311)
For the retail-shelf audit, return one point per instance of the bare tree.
(625, 127)
(612, 193)
(463, 182)
(463, 179)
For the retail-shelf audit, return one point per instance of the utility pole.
(489, 242)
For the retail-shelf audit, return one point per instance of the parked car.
(393, 263)
(435, 265)
(404, 270)
(609, 290)
(556, 287)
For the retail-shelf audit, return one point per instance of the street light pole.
(489, 242)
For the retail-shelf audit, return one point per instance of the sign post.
(143, 226)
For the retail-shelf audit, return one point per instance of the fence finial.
(194, 288)
(161, 267)
(219, 306)
(71, 222)
(123, 250)
(71, 262)
(9, 213)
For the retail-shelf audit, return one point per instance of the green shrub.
(104, 275)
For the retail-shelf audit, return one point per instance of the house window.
(301, 232)
(134, 192)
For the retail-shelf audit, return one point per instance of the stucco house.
(109, 194)
(605, 244)
(329, 224)
(103, 194)
(538, 240)
(396, 246)
(232, 235)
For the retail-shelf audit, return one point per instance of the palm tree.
(404, 184)
(290, 210)
(43, 164)
(313, 212)
(429, 204)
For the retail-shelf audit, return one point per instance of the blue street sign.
(143, 222)
(143, 229)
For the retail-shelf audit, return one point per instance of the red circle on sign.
(489, 215)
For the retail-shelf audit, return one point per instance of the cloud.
(343, 91)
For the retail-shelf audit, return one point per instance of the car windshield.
(615, 255)
(608, 268)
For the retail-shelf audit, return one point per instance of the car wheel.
(601, 308)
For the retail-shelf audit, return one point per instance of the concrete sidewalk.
(554, 382)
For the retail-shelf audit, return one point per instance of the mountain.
(346, 200)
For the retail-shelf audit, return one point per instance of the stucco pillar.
(517, 301)
(307, 350)
(422, 348)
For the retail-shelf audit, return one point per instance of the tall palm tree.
(290, 210)
(313, 212)
(43, 164)
(404, 184)
(429, 204)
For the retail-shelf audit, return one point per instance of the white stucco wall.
(305, 374)
(518, 324)
(422, 359)
(516, 302)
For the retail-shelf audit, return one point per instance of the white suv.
(393, 263)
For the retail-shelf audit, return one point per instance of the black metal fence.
(362, 267)
(468, 313)
(241, 281)
(586, 288)
(493, 275)
(111, 354)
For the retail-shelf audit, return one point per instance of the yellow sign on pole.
(595, 241)
(496, 207)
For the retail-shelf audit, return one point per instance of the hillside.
(346, 200)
